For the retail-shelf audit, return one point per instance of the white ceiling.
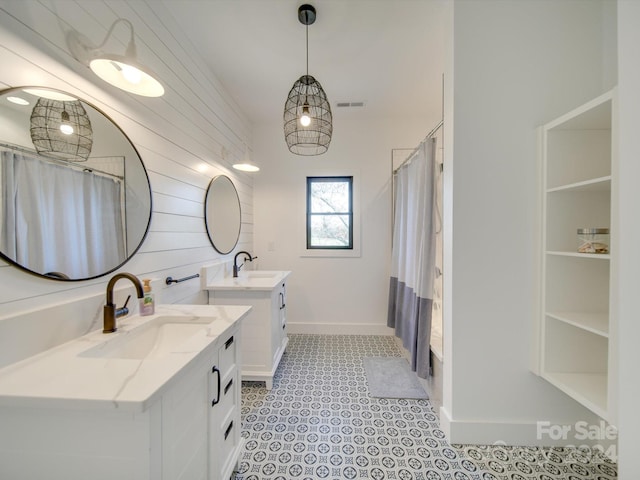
(386, 53)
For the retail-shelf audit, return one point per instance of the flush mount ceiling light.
(307, 113)
(61, 129)
(246, 165)
(122, 71)
(18, 100)
(50, 94)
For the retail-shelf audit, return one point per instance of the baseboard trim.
(338, 329)
(468, 432)
(488, 433)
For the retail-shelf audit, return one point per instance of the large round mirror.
(75, 201)
(222, 214)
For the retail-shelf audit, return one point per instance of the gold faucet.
(111, 312)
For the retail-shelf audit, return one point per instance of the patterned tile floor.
(318, 422)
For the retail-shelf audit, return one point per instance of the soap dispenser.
(147, 304)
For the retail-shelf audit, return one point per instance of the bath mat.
(391, 377)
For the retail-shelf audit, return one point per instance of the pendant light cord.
(307, 28)
(306, 88)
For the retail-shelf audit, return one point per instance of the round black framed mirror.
(222, 214)
(75, 198)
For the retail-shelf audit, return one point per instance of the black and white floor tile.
(318, 422)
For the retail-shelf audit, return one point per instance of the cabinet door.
(282, 314)
(277, 305)
(184, 428)
(224, 418)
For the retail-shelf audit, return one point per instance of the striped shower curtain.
(413, 255)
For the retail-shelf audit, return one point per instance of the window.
(330, 213)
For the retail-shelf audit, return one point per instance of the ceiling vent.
(349, 104)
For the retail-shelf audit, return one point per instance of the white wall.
(176, 135)
(512, 66)
(629, 221)
(332, 295)
(516, 65)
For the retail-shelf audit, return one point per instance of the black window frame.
(338, 178)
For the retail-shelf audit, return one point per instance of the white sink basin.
(258, 274)
(155, 339)
(259, 280)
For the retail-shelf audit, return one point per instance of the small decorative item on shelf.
(593, 240)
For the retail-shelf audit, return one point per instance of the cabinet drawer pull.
(228, 343)
(226, 389)
(216, 400)
(284, 325)
(228, 430)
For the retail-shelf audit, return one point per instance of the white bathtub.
(434, 382)
(436, 317)
(436, 337)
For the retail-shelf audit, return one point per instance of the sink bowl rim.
(121, 339)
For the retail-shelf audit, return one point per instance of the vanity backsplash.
(28, 333)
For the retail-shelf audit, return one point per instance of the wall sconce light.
(246, 165)
(122, 71)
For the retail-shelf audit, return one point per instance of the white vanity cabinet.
(264, 330)
(190, 430)
(577, 322)
(201, 418)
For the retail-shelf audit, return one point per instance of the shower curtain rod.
(414, 150)
(58, 161)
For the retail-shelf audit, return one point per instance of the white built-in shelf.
(600, 184)
(597, 323)
(577, 345)
(597, 256)
(590, 389)
(593, 115)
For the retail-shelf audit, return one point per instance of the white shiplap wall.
(194, 123)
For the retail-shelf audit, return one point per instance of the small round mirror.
(222, 214)
(75, 200)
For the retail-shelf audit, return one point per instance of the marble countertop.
(67, 377)
(250, 280)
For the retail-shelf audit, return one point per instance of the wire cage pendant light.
(308, 123)
(61, 129)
